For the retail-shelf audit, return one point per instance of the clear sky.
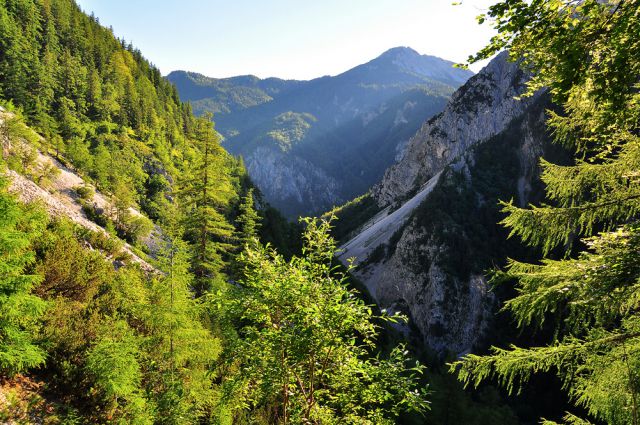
(299, 39)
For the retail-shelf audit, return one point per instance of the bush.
(136, 228)
(46, 173)
(100, 241)
(85, 192)
(93, 213)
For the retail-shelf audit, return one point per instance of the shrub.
(85, 192)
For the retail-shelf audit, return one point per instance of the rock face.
(478, 110)
(483, 147)
(288, 178)
(331, 137)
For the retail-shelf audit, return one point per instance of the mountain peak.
(406, 61)
(398, 51)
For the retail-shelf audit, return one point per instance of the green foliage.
(248, 222)
(124, 346)
(205, 195)
(586, 54)
(352, 215)
(18, 142)
(452, 405)
(306, 343)
(85, 192)
(137, 227)
(116, 373)
(275, 230)
(183, 350)
(19, 308)
(285, 130)
(96, 100)
(226, 95)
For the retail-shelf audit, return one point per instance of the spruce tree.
(585, 53)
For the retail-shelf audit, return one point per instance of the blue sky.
(299, 39)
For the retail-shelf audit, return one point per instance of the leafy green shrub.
(100, 240)
(45, 173)
(136, 228)
(306, 342)
(85, 192)
(93, 213)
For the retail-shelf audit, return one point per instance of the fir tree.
(586, 54)
(248, 221)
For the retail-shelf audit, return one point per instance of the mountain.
(309, 145)
(430, 227)
(227, 95)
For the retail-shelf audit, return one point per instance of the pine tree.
(586, 54)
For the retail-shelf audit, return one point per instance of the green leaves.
(306, 343)
(114, 364)
(20, 310)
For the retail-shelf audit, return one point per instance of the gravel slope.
(380, 229)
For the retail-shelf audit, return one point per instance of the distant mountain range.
(309, 145)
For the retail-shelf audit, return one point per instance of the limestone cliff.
(483, 107)
(427, 251)
(287, 178)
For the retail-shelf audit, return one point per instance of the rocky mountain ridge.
(426, 252)
(477, 111)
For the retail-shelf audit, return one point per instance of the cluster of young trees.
(586, 54)
(287, 343)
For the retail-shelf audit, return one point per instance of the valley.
(401, 241)
(312, 145)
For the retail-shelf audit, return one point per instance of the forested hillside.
(98, 102)
(215, 328)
